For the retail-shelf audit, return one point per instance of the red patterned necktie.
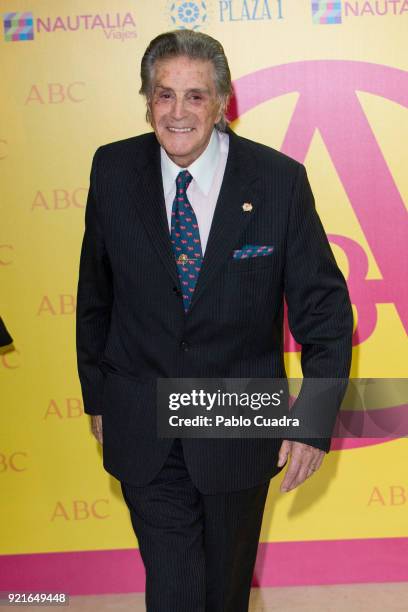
(185, 238)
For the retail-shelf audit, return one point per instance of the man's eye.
(166, 96)
(196, 97)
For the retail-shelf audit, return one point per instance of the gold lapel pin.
(182, 258)
(247, 207)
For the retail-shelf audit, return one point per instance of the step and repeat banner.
(324, 82)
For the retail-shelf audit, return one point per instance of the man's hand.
(304, 461)
(96, 426)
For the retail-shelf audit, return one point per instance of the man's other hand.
(304, 461)
(96, 426)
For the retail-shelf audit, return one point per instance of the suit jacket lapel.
(230, 218)
(147, 192)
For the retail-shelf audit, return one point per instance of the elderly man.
(193, 238)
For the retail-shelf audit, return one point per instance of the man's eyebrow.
(204, 90)
(200, 90)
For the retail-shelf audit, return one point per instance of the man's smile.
(180, 130)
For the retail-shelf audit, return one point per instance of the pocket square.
(252, 250)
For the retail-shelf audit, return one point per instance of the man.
(193, 236)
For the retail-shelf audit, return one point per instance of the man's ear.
(148, 112)
(223, 105)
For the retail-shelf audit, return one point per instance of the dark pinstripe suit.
(131, 326)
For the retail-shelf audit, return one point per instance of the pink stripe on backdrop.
(332, 562)
(278, 564)
(349, 443)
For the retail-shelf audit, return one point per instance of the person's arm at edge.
(319, 309)
(94, 303)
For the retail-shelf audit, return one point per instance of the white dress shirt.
(207, 172)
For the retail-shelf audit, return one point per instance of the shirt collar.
(202, 169)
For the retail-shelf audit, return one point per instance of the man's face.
(184, 107)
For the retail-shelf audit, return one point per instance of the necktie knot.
(183, 180)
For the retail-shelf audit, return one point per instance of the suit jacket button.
(176, 291)
(184, 346)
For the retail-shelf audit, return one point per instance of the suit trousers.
(199, 550)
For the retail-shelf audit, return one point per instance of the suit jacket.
(131, 326)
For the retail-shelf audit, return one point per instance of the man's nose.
(178, 110)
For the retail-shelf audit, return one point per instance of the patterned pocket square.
(252, 250)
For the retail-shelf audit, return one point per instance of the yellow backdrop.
(73, 87)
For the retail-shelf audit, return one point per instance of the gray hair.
(194, 45)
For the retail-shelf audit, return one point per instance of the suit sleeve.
(319, 310)
(94, 302)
